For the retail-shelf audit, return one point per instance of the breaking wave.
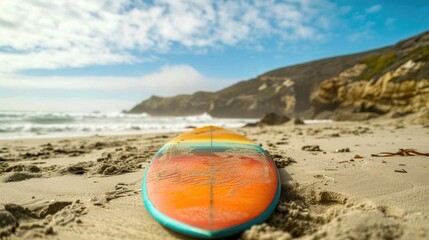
(32, 124)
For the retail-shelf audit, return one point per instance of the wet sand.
(332, 188)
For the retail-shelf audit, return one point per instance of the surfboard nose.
(209, 134)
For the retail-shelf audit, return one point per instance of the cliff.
(392, 80)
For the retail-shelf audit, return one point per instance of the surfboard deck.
(210, 183)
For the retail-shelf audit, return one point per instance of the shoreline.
(95, 183)
(12, 136)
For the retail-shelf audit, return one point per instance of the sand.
(332, 188)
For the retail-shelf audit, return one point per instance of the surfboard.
(210, 183)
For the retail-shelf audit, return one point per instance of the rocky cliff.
(392, 80)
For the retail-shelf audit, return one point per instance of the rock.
(298, 121)
(19, 176)
(274, 119)
(270, 119)
(396, 92)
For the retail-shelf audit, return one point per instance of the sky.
(108, 55)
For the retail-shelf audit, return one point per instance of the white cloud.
(389, 22)
(169, 80)
(345, 9)
(71, 104)
(55, 58)
(124, 92)
(364, 30)
(358, 36)
(45, 34)
(374, 9)
(364, 34)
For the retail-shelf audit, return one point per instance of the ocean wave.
(64, 128)
(203, 117)
(53, 123)
(61, 116)
(318, 121)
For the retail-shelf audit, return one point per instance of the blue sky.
(109, 55)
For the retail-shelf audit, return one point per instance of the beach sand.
(90, 187)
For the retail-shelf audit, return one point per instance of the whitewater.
(16, 125)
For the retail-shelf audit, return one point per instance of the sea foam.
(54, 124)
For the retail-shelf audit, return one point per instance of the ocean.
(16, 125)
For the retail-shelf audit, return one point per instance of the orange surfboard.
(210, 183)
